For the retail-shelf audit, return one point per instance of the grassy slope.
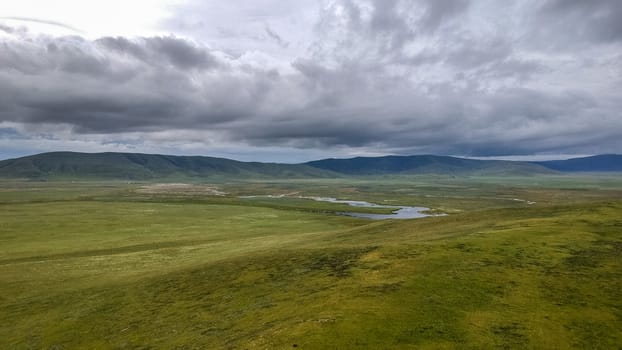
(136, 166)
(166, 274)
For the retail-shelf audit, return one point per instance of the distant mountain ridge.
(138, 166)
(599, 163)
(426, 164)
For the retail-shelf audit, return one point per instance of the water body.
(400, 212)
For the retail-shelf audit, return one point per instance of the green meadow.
(517, 263)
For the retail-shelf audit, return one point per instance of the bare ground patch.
(181, 189)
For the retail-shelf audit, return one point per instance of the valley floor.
(115, 266)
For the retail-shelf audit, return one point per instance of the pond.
(400, 212)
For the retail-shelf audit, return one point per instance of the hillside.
(599, 163)
(136, 166)
(426, 164)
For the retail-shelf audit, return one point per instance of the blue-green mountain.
(137, 166)
(599, 163)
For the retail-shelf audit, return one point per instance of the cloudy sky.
(299, 80)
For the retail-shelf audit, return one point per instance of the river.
(400, 212)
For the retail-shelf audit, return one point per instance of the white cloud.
(295, 79)
(91, 18)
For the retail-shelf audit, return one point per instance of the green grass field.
(109, 265)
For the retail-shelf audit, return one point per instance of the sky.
(291, 81)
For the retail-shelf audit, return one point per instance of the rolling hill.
(137, 166)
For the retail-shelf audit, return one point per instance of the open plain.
(517, 263)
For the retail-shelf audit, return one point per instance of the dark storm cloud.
(157, 50)
(422, 76)
(117, 84)
(454, 121)
(594, 20)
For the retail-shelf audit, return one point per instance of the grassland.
(109, 265)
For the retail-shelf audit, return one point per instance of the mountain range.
(138, 166)
(599, 163)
